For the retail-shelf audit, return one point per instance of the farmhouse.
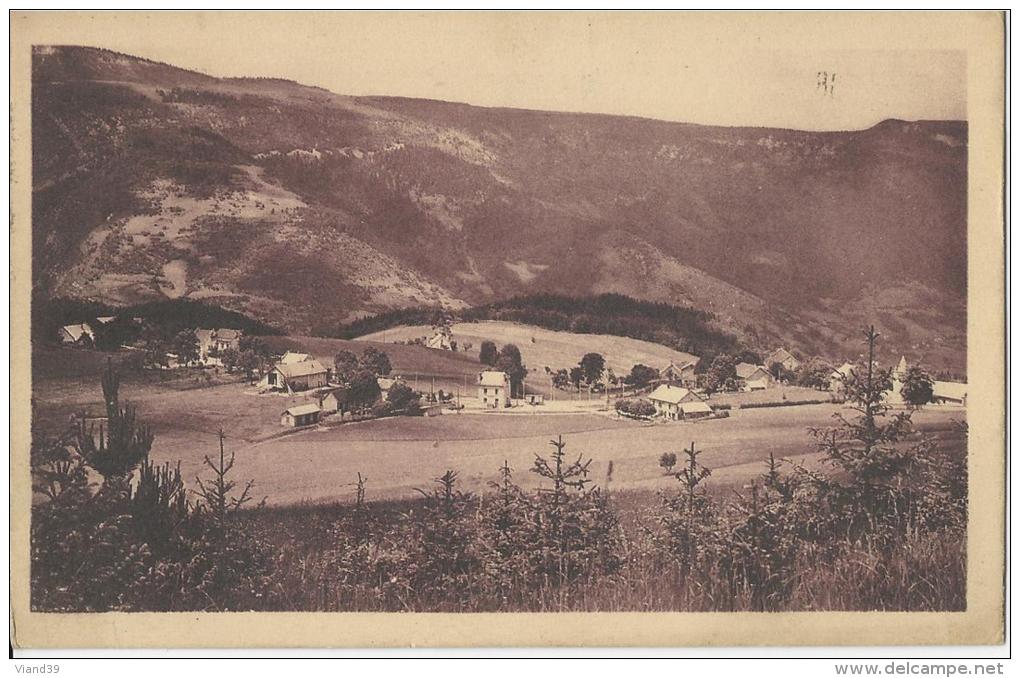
(675, 402)
(841, 373)
(296, 376)
(494, 389)
(441, 340)
(679, 374)
(950, 393)
(330, 401)
(783, 357)
(290, 357)
(77, 335)
(211, 343)
(105, 319)
(753, 377)
(300, 415)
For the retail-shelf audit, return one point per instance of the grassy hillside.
(404, 359)
(307, 209)
(541, 348)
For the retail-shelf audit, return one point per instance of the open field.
(187, 407)
(543, 348)
(400, 454)
(796, 394)
(404, 359)
(423, 368)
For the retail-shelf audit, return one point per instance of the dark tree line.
(679, 327)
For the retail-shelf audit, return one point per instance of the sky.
(670, 67)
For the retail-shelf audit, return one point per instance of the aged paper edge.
(980, 34)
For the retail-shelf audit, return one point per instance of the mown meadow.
(881, 525)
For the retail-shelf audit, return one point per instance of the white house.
(80, 334)
(300, 415)
(296, 376)
(754, 377)
(676, 402)
(494, 389)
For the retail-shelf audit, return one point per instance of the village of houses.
(674, 393)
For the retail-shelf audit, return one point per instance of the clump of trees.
(402, 398)
(721, 374)
(252, 356)
(814, 373)
(137, 542)
(679, 327)
(635, 407)
(488, 353)
(507, 359)
(918, 387)
(375, 360)
(641, 375)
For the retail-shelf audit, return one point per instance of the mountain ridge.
(311, 208)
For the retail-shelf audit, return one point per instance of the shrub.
(635, 407)
(402, 397)
(382, 409)
(141, 547)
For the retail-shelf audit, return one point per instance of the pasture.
(778, 394)
(398, 455)
(541, 348)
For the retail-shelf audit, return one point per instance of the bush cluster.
(635, 407)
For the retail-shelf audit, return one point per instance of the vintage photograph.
(574, 325)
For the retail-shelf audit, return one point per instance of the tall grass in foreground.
(884, 528)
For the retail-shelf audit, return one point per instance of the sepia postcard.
(431, 328)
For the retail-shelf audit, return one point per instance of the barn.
(950, 393)
(299, 376)
(301, 415)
